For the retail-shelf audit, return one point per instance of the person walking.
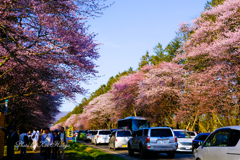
(35, 136)
(64, 141)
(56, 144)
(24, 142)
(47, 140)
(11, 141)
(40, 142)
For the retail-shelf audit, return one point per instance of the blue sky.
(129, 28)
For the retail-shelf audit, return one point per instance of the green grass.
(83, 152)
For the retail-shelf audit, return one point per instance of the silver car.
(102, 136)
(153, 140)
(184, 140)
(89, 135)
(119, 139)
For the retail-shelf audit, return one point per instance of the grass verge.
(83, 152)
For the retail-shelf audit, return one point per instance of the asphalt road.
(124, 154)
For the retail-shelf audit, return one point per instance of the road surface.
(124, 153)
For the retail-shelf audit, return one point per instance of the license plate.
(124, 145)
(162, 141)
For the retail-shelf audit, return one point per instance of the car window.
(94, 132)
(181, 134)
(104, 132)
(145, 132)
(201, 137)
(234, 137)
(139, 133)
(191, 133)
(219, 139)
(123, 133)
(161, 133)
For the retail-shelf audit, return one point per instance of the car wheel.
(96, 142)
(142, 152)
(114, 148)
(130, 151)
(171, 154)
(194, 151)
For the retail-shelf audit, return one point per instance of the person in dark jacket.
(13, 138)
(56, 144)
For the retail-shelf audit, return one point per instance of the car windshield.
(161, 133)
(104, 132)
(123, 133)
(181, 134)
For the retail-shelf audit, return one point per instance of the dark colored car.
(199, 138)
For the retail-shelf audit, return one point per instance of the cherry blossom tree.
(45, 48)
(212, 63)
(159, 92)
(125, 92)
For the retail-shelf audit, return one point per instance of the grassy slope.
(83, 152)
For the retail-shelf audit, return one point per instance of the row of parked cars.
(222, 144)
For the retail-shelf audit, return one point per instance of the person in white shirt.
(47, 140)
(64, 141)
(35, 136)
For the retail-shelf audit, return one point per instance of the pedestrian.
(47, 140)
(40, 138)
(64, 141)
(24, 142)
(56, 144)
(11, 141)
(30, 137)
(34, 137)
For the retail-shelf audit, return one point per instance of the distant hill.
(60, 115)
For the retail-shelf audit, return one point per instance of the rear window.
(161, 133)
(181, 134)
(123, 133)
(104, 132)
(191, 133)
(94, 132)
(91, 132)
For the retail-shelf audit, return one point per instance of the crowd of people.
(50, 143)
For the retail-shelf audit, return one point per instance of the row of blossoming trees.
(198, 90)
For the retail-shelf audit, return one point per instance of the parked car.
(198, 139)
(102, 136)
(192, 134)
(184, 140)
(153, 140)
(119, 139)
(222, 144)
(89, 134)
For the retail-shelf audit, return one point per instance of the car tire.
(194, 151)
(142, 152)
(130, 151)
(171, 154)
